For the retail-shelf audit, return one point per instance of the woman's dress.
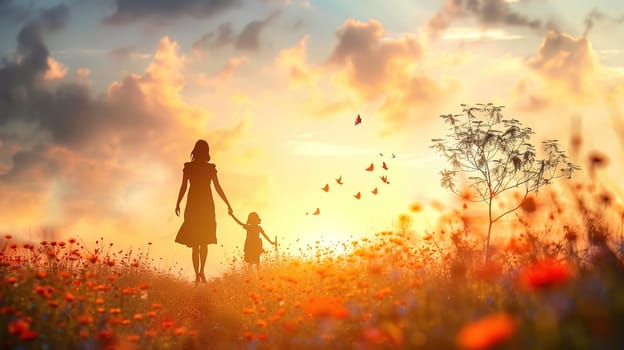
(199, 226)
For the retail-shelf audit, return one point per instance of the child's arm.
(266, 237)
(236, 219)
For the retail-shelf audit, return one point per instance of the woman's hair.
(201, 151)
(253, 218)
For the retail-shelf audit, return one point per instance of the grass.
(555, 282)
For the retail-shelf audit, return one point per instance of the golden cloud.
(376, 67)
(293, 61)
(566, 61)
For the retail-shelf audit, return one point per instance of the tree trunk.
(487, 243)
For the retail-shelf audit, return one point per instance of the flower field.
(556, 285)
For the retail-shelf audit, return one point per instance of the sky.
(102, 101)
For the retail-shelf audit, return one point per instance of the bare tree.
(496, 156)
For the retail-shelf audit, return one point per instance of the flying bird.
(384, 179)
(383, 165)
(325, 188)
(339, 180)
(374, 191)
(358, 120)
(357, 195)
(371, 167)
(381, 154)
(317, 211)
(393, 156)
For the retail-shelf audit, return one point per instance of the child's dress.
(253, 244)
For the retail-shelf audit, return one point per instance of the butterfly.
(339, 180)
(384, 179)
(383, 165)
(358, 120)
(357, 195)
(325, 188)
(317, 211)
(374, 191)
(370, 167)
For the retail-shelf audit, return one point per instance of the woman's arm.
(238, 221)
(181, 193)
(217, 185)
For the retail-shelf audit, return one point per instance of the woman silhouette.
(199, 227)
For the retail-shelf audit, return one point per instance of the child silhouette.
(253, 242)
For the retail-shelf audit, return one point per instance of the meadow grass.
(555, 282)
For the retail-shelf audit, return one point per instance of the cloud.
(248, 39)
(224, 35)
(488, 13)
(230, 67)
(128, 11)
(565, 60)
(597, 16)
(56, 70)
(372, 63)
(82, 156)
(293, 61)
(376, 67)
(17, 77)
(565, 68)
(127, 53)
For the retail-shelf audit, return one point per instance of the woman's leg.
(203, 254)
(195, 256)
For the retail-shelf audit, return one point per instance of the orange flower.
(69, 297)
(138, 317)
(544, 274)
(133, 338)
(41, 274)
(28, 335)
(486, 332)
(179, 331)
(382, 293)
(85, 319)
(248, 335)
(19, 326)
(64, 274)
(326, 307)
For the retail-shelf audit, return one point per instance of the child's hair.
(201, 151)
(253, 218)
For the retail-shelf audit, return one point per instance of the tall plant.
(496, 156)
